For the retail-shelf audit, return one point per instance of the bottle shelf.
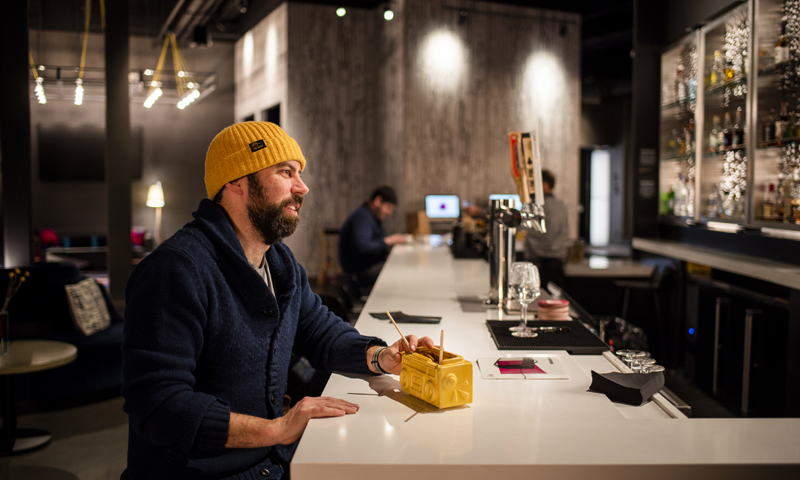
(723, 150)
(778, 142)
(679, 103)
(677, 158)
(778, 67)
(720, 89)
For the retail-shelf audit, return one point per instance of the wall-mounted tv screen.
(69, 153)
(442, 206)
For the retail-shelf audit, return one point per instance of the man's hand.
(391, 359)
(293, 424)
(252, 432)
(395, 239)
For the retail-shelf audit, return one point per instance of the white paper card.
(529, 367)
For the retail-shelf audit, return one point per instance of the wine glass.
(523, 283)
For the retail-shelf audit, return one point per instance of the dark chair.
(336, 306)
(653, 284)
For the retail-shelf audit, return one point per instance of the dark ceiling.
(606, 27)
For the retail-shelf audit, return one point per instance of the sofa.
(40, 310)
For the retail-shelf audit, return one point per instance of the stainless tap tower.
(503, 220)
(526, 168)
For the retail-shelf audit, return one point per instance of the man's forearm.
(245, 431)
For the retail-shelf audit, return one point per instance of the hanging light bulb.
(39, 90)
(341, 12)
(189, 98)
(78, 92)
(388, 14)
(154, 95)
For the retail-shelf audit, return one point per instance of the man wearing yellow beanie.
(213, 316)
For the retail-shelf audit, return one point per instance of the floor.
(89, 443)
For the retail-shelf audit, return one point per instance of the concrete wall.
(175, 141)
(423, 103)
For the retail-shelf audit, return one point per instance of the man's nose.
(299, 187)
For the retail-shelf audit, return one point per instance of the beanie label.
(257, 145)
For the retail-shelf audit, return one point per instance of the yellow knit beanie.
(246, 148)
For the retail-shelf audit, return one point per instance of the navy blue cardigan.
(204, 337)
(361, 241)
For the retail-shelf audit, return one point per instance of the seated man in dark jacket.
(213, 316)
(363, 245)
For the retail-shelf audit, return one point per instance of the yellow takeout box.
(445, 385)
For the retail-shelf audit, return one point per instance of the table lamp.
(155, 199)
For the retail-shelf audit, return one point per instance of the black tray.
(579, 340)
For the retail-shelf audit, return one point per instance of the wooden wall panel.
(332, 93)
(516, 72)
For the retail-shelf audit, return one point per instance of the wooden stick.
(441, 347)
(408, 347)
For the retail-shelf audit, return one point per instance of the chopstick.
(441, 347)
(408, 347)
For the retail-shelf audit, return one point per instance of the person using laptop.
(363, 244)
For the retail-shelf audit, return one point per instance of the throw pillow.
(87, 307)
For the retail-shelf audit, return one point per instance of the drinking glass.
(523, 283)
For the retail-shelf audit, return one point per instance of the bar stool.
(653, 284)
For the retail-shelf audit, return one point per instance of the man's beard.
(269, 219)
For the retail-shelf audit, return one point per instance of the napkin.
(629, 388)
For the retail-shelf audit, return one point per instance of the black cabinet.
(736, 341)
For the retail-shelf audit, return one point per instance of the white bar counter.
(515, 429)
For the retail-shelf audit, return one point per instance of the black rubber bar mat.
(577, 340)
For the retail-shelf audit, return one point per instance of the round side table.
(26, 356)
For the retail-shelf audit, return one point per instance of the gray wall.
(175, 141)
(374, 102)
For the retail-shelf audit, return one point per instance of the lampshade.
(155, 196)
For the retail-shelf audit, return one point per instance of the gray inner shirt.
(263, 270)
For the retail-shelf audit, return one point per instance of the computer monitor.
(503, 196)
(442, 206)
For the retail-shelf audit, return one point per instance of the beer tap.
(526, 168)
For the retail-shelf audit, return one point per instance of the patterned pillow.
(87, 307)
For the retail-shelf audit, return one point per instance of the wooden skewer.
(441, 347)
(408, 347)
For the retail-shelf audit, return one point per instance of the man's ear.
(377, 201)
(236, 187)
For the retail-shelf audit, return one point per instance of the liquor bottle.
(682, 144)
(786, 194)
(713, 137)
(782, 122)
(727, 131)
(768, 207)
(769, 126)
(728, 70)
(681, 198)
(680, 86)
(782, 44)
(672, 144)
(738, 128)
(688, 141)
(717, 70)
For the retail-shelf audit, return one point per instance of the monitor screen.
(442, 206)
(503, 196)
